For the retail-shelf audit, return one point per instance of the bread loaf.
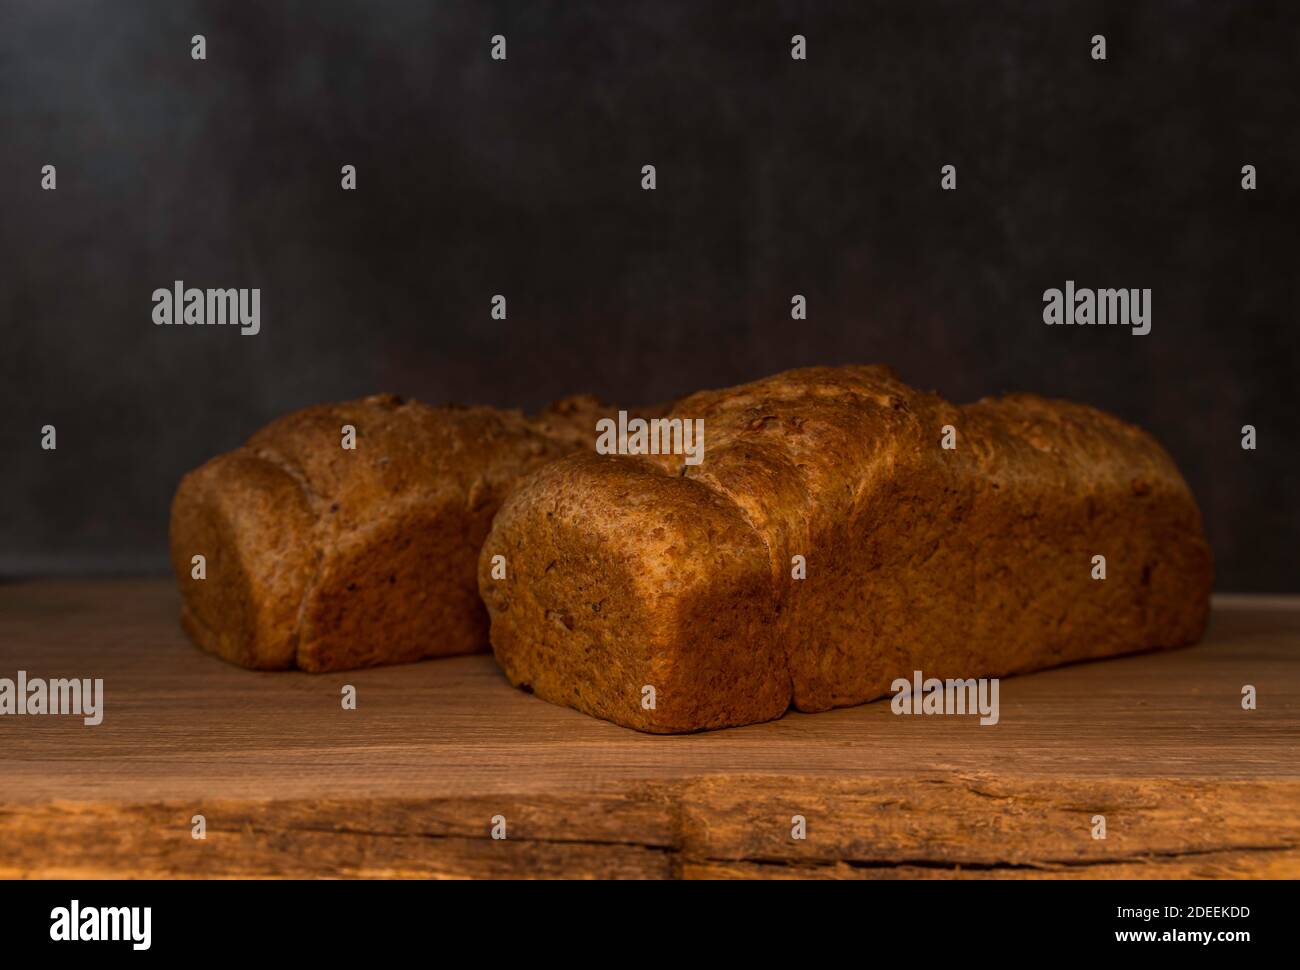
(323, 557)
(644, 577)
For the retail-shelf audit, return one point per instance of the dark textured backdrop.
(775, 177)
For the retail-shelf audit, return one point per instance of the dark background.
(522, 177)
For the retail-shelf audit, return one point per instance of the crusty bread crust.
(635, 572)
(323, 558)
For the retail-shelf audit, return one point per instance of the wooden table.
(291, 784)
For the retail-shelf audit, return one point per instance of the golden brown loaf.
(325, 558)
(976, 561)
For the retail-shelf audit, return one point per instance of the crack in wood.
(450, 836)
(1045, 865)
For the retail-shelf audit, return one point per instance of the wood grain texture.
(406, 785)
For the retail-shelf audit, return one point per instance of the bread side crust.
(245, 516)
(635, 596)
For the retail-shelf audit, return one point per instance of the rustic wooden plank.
(605, 836)
(406, 785)
(940, 827)
(1002, 823)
